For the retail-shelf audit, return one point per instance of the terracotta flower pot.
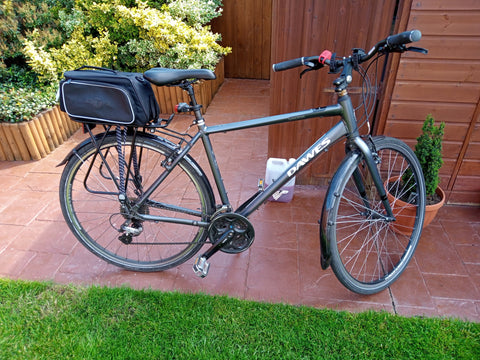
(405, 212)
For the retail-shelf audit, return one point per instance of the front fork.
(372, 161)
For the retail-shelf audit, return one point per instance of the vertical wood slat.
(6, 149)
(31, 148)
(37, 137)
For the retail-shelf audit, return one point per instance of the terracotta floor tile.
(46, 237)
(459, 309)
(273, 275)
(275, 235)
(114, 276)
(451, 287)
(14, 261)
(436, 254)
(411, 311)
(470, 254)
(9, 234)
(15, 168)
(460, 232)
(40, 182)
(82, 261)
(461, 213)
(7, 183)
(220, 280)
(43, 266)
(25, 211)
(410, 289)
(282, 265)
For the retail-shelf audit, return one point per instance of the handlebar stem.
(345, 78)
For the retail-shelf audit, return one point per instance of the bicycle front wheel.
(89, 199)
(368, 253)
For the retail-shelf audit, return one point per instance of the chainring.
(243, 237)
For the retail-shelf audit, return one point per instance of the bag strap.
(94, 68)
(121, 135)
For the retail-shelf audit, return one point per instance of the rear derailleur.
(131, 227)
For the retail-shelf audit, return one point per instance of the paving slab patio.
(283, 264)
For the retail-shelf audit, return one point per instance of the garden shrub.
(21, 95)
(22, 103)
(19, 19)
(131, 36)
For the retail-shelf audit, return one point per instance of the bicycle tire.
(90, 205)
(368, 253)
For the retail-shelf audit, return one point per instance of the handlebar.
(290, 64)
(393, 43)
(403, 38)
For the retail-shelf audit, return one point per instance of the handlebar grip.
(289, 64)
(404, 37)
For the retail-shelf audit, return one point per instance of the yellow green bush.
(129, 35)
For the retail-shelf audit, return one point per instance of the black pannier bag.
(103, 96)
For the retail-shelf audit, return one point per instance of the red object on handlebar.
(325, 55)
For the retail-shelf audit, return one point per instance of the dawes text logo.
(312, 154)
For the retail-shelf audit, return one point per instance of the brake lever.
(310, 67)
(417, 49)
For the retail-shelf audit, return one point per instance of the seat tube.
(214, 166)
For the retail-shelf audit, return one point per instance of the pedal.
(201, 266)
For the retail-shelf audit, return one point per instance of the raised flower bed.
(36, 138)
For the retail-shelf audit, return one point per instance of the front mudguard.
(328, 217)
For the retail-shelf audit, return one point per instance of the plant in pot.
(429, 153)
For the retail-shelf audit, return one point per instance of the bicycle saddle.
(163, 76)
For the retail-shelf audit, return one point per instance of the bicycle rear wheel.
(369, 253)
(89, 199)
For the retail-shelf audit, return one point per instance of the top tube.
(327, 111)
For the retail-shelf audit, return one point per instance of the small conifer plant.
(429, 153)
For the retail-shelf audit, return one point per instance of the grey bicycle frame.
(346, 127)
(322, 144)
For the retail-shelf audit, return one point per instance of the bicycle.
(134, 196)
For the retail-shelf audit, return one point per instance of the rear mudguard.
(158, 139)
(328, 216)
(103, 135)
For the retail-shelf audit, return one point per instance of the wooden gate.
(307, 27)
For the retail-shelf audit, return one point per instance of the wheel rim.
(372, 252)
(96, 218)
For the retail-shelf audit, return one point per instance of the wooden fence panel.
(246, 27)
(445, 83)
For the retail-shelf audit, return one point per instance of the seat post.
(196, 108)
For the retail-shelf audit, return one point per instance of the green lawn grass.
(47, 321)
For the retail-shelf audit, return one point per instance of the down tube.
(321, 145)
